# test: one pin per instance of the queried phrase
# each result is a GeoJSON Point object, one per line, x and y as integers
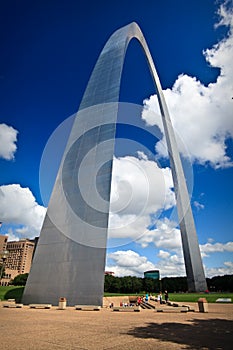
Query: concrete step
{"type": "Point", "coordinates": [87, 307]}
{"type": "Point", "coordinates": [126, 308]}
{"type": "Point", "coordinates": [40, 306]}
{"type": "Point", "coordinates": [12, 305]}
{"type": "Point", "coordinates": [173, 309]}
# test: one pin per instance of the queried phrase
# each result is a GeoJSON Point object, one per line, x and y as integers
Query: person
{"type": "Point", "coordinates": [166, 296]}
{"type": "Point", "coordinates": [147, 298]}
{"type": "Point", "coordinates": [160, 298]}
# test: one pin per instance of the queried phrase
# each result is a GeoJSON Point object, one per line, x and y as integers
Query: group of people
{"type": "Point", "coordinates": [159, 298]}
{"type": "Point", "coordinates": [145, 298]}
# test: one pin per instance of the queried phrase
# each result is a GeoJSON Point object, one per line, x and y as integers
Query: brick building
{"type": "Point", "coordinates": [19, 258]}
{"type": "Point", "coordinates": [3, 243]}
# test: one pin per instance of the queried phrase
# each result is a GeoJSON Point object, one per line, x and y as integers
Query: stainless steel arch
{"type": "Point", "coordinates": [70, 255]}
{"type": "Point", "coordinates": [113, 54]}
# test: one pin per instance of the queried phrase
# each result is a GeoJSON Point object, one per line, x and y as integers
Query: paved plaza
{"type": "Point", "coordinates": [37, 329]}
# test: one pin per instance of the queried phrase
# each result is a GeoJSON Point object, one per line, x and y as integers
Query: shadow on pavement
{"type": "Point", "coordinates": [199, 334]}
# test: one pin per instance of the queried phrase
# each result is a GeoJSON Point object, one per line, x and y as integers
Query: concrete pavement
{"type": "Point", "coordinates": [40, 329]}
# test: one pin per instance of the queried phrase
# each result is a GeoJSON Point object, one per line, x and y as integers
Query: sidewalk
{"type": "Point", "coordinates": [40, 329]}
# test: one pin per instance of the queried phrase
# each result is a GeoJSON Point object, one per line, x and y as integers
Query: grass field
{"type": "Point", "coordinates": [13, 292]}
{"type": "Point", "coordinates": [188, 297]}
{"type": "Point", "coordinates": [193, 297]}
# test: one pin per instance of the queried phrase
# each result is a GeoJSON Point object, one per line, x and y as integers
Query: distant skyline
{"type": "Point", "coordinates": [49, 49]}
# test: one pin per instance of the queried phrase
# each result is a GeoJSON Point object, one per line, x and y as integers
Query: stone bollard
{"type": "Point", "coordinates": [62, 304]}
{"type": "Point", "coordinates": [202, 305]}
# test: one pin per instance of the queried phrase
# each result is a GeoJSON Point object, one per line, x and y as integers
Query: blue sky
{"type": "Point", "coordinates": [48, 51]}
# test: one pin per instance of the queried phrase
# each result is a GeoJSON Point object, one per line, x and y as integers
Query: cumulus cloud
{"type": "Point", "coordinates": [19, 207]}
{"type": "Point", "coordinates": [165, 235]}
{"type": "Point", "coordinates": [11, 235]}
{"type": "Point", "coordinates": [170, 264]}
{"type": "Point", "coordinates": [226, 269]}
{"type": "Point", "coordinates": [126, 263]}
{"type": "Point", "coordinates": [139, 189]}
{"type": "Point", "coordinates": [8, 138]}
{"type": "Point", "coordinates": [138, 184]}
{"type": "Point", "coordinates": [209, 247]}
{"type": "Point", "coordinates": [163, 255]}
{"type": "Point", "coordinates": [202, 115]}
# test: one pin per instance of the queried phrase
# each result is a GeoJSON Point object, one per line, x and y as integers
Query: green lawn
{"type": "Point", "coordinates": [13, 292]}
{"type": "Point", "coordinates": [187, 297]}
{"type": "Point", "coordinates": [193, 297]}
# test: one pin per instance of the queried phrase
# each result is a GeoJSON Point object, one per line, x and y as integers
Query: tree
{"type": "Point", "coordinates": [175, 284]}
{"type": "Point", "coordinates": [221, 283]}
{"type": "Point", "coordinates": [132, 284]}
{"type": "Point", "coordinates": [150, 285]}
{"type": "Point", "coordinates": [20, 280]}
{"type": "Point", "coordinates": [137, 284]}
{"type": "Point", "coordinates": [108, 281]}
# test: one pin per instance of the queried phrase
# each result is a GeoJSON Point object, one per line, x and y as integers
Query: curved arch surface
{"type": "Point", "coordinates": [70, 256]}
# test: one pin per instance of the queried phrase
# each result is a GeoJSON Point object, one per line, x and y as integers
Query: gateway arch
{"type": "Point", "coordinates": [70, 257]}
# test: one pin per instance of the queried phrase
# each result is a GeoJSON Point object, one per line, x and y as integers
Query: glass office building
{"type": "Point", "coordinates": [152, 274]}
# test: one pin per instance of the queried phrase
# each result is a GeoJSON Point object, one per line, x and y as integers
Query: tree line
{"type": "Point", "coordinates": [132, 284]}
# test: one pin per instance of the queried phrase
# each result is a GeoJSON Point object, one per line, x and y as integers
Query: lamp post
{"type": "Point", "coordinates": [3, 256]}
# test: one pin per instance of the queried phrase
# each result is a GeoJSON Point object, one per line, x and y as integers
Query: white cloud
{"type": "Point", "coordinates": [166, 235]}
{"type": "Point", "coordinates": [229, 264]}
{"type": "Point", "coordinates": [202, 115]}
{"type": "Point", "coordinates": [139, 188]}
{"type": "Point", "coordinates": [209, 247]}
{"type": "Point", "coordinates": [140, 192]}
{"type": "Point", "coordinates": [226, 18]}
{"type": "Point", "coordinates": [126, 263]}
{"type": "Point", "coordinates": [198, 205]}
{"type": "Point", "coordinates": [8, 138]}
{"type": "Point", "coordinates": [19, 207]}
{"type": "Point", "coordinates": [164, 255]}
{"type": "Point", "coordinates": [139, 185]}
{"type": "Point", "coordinates": [171, 265]}
{"type": "Point", "coordinates": [171, 261]}
{"type": "Point", "coordinates": [227, 269]}
{"type": "Point", "coordinates": [11, 236]}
